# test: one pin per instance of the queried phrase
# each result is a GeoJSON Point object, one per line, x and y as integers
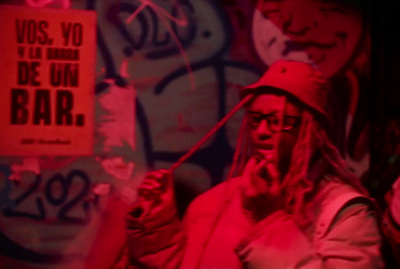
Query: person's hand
{"type": "Point", "coordinates": [261, 188]}
{"type": "Point", "coordinates": [156, 191]}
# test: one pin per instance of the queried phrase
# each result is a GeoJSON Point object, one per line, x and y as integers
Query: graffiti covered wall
{"type": "Point", "coordinates": [167, 71]}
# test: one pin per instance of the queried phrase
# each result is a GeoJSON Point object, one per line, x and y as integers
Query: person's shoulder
{"type": "Point", "coordinates": [331, 188]}
{"type": "Point", "coordinates": [335, 198]}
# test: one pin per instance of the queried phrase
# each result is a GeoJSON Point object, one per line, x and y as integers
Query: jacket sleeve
{"type": "Point", "coordinates": [352, 241]}
{"type": "Point", "coordinates": [155, 239]}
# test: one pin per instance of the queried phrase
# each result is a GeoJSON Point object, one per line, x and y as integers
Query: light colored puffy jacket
{"type": "Point", "coordinates": [216, 233]}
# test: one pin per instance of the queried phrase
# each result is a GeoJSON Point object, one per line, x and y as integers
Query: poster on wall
{"type": "Point", "coordinates": [47, 74]}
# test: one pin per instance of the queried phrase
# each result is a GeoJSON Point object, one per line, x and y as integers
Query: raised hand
{"type": "Point", "coordinates": [261, 188]}
{"type": "Point", "coordinates": [156, 191]}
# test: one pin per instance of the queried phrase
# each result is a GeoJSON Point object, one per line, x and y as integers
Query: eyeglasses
{"type": "Point", "coordinates": [274, 121]}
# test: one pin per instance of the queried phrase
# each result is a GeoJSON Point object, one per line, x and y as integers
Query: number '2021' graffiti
{"type": "Point", "coordinates": [56, 193]}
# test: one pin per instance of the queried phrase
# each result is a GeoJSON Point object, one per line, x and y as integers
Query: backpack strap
{"type": "Point", "coordinates": [333, 208]}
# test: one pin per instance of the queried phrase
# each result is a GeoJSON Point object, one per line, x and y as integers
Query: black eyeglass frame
{"type": "Point", "coordinates": [289, 122]}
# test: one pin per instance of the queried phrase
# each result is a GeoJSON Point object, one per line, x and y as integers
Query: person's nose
{"type": "Point", "coordinates": [263, 130]}
{"type": "Point", "coordinates": [298, 20]}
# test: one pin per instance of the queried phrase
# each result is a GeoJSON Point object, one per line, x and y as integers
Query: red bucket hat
{"type": "Point", "coordinates": [297, 79]}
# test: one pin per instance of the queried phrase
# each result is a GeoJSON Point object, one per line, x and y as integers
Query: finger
{"type": "Point", "coordinates": [249, 168]}
{"type": "Point", "coordinates": [251, 163]}
{"type": "Point", "coordinates": [165, 178]}
{"type": "Point", "coordinates": [260, 169]}
{"type": "Point", "coordinates": [155, 175]}
{"type": "Point", "coordinates": [273, 173]}
{"type": "Point", "coordinates": [149, 193]}
{"type": "Point", "coordinates": [160, 178]}
{"type": "Point", "coordinates": [151, 184]}
{"type": "Point", "coordinates": [148, 188]}
{"type": "Point", "coordinates": [260, 180]}
{"type": "Point", "coordinates": [165, 175]}
{"type": "Point", "coordinates": [247, 181]}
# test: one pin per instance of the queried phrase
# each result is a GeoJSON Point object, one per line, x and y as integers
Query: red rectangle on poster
{"type": "Point", "coordinates": [47, 72]}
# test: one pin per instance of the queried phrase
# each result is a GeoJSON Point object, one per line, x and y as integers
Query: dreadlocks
{"type": "Point", "coordinates": [304, 173]}
{"type": "Point", "coordinates": [310, 161]}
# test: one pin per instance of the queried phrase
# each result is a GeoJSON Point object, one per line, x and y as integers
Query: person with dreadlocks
{"type": "Point", "coordinates": [293, 203]}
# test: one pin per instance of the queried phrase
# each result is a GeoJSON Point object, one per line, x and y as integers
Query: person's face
{"type": "Point", "coordinates": [318, 31]}
{"type": "Point", "coordinates": [271, 138]}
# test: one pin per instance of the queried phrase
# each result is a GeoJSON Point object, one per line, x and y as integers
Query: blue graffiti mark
{"type": "Point", "coordinates": [59, 198]}
{"type": "Point", "coordinates": [155, 39]}
{"type": "Point", "coordinates": [184, 35]}
{"type": "Point", "coordinates": [102, 46]}
{"type": "Point", "coordinates": [107, 57]}
{"type": "Point", "coordinates": [144, 127]}
{"type": "Point", "coordinates": [189, 32]}
{"type": "Point", "coordinates": [111, 73]}
{"type": "Point", "coordinates": [65, 209]}
{"type": "Point", "coordinates": [13, 249]}
{"type": "Point", "coordinates": [5, 192]}
{"type": "Point", "coordinates": [40, 215]}
{"type": "Point", "coordinates": [218, 154]}
{"type": "Point", "coordinates": [113, 15]}
{"type": "Point", "coordinates": [219, 148]}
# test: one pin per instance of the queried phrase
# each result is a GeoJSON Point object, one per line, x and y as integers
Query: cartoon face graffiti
{"type": "Point", "coordinates": [317, 31]}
